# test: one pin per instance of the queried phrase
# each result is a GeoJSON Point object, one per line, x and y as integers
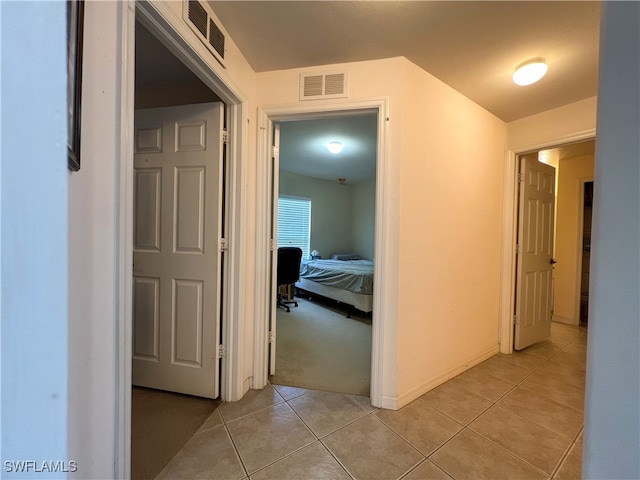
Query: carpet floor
{"type": "Point", "coordinates": [161, 424]}
{"type": "Point", "coordinates": [319, 348]}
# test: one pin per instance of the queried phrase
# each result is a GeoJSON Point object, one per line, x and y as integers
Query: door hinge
{"type": "Point", "coordinates": [275, 151]}
{"type": "Point", "coordinates": [516, 320]}
{"type": "Point", "coordinates": [221, 351]}
{"type": "Point", "coordinates": [521, 177]}
{"type": "Point", "coordinates": [518, 249]}
{"type": "Point", "coordinates": [271, 337]}
{"type": "Point", "coordinates": [271, 244]}
{"type": "Point", "coordinates": [223, 245]}
{"type": "Point", "coordinates": [224, 135]}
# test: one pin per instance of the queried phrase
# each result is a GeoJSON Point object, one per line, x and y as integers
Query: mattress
{"type": "Point", "coordinates": [358, 300]}
{"type": "Point", "coordinates": [352, 275]}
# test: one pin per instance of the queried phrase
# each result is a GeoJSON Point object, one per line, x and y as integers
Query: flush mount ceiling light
{"type": "Point", "coordinates": [530, 72]}
{"type": "Point", "coordinates": [334, 147]}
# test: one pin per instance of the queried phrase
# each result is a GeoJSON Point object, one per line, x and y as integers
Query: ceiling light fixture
{"type": "Point", "coordinates": [335, 147]}
{"type": "Point", "coordinates": [530, 72]}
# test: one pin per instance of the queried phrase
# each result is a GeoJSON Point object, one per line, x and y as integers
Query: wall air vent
{"type": "Point", "coordinates": [200, 18]}
{"type": "Point", "coordinates": [324, 85]}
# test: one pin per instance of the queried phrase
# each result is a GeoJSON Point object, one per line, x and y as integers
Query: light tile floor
{"type": "Point", "coordinates": [514, 416]}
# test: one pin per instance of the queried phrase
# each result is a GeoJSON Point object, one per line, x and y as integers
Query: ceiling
{"type": "Point", "coordinates": [471, 46]}
{"type": "Point", "coordinates": [303, 148]}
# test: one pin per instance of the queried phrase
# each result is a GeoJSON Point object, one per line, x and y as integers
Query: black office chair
{"type": "Point", "coordinates": [289, 259]}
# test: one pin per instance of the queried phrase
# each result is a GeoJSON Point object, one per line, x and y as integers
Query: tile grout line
{"type": "Point", "coordinates": [494, 403]}
{"type": "Point", "coordinates": [572, 445]}
{"type": "Point", "coordinates": [235, 447]}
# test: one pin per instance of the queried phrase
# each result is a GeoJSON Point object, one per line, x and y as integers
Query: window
{"type": "Point", "coordinates": [294, 223]}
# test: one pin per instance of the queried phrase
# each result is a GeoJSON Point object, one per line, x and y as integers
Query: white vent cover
{"type": "Point", "coordinates": [198, 15]}
{"type": "Point", "coordinates": [323, 85]}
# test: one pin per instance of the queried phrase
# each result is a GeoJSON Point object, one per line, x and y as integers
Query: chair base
{"type": "Point", "coordinates": [285, 303]}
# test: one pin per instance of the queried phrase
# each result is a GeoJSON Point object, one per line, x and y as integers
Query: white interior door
{"type": "Point", "coordinates": [177, 259]}
{"type": "Point", "coordinates": [534, 280]}
{"type": "Point", "coordinates": [275, 170]}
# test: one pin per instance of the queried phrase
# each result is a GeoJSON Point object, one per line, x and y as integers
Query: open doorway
{"type": "Point", "coordinates": [573, 167]}
{"type": "Point", "coordinates": [268, 119]}
{"type": "Point", "coordinates": [177, 308]}
{"type": "Point", "coordinates": [587, 214]}
{"type": "Point", "coordinates": [323, 339]}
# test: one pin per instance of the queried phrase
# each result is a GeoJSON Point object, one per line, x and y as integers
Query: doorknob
{"type": "Point", "coordinates": [553, 261]}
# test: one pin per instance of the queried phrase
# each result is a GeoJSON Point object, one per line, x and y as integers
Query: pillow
{"type": "Point", "coordinates": [345, 256]}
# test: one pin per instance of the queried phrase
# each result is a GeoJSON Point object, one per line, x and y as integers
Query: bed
{"type": "Point", "coordinates": [345, 278]}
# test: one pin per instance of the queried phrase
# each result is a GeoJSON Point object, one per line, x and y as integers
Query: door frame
{"type": "Point", "coordinates": [510, 229]}
{"type": "Point", "coordinates": [579, 255]}
{"type": "Point", "coordinates": [163, 22]}
{"type": "Point", "coordinates": [266, 117]}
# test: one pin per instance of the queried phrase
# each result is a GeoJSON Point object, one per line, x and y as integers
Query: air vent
{"type": "Point", "coordinates": [200, 18]}
{"type": "Point", "coordinates": [327, 85]}
{"type": "Point", "coordinates": [216, 38]}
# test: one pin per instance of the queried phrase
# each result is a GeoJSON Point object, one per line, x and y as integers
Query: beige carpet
{"type": "Point", "coordinates": [317, 347]}
{"type": "Point", "coordinates": [161, 424]}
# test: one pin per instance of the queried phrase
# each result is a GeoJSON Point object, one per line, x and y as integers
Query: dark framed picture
{"type": "Point", "coordinates": [75, 21]}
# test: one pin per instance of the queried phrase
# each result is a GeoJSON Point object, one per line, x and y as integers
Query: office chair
{"type": "Point", "coordinates": [289, 259]}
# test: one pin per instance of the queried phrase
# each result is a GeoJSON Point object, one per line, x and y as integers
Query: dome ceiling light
{"type": "Point", "coordinates": [530, 72]}
{"type": "Point", "coordinates": [335, 147]}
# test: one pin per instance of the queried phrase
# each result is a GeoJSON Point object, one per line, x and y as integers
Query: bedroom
{"type": "Point", "coordinates": [340, 191]}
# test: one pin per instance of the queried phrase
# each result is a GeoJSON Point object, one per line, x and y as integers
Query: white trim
{"type": "Point", "coordinates": [384, 298]}
{"type": "Point", "coordinates": [179, 39]}
{"type": "Point", "coordinates": [507, 289]}
{"type": "Point", "coordinates": [263, 251]}
{"type": "Point", "coordinates": [124, 238]}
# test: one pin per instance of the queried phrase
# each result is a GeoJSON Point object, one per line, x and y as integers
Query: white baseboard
{"type": "Point", "coordinates": [396, 403]}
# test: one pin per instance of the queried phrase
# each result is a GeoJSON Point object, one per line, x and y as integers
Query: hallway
{"type": "Point", "coordinates": [513, 416]}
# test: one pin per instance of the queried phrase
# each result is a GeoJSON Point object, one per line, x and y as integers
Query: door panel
{"type": "Point", "coordinates": [146, 311]}
{"type": "Point", "coordinates": [189, 210]}
{"type": "Point", "coordinates": [147, 210]}
{"type": "Point", "coordinates": [534, 285]}
{"type": "Point", "coordinates": [177, 260]}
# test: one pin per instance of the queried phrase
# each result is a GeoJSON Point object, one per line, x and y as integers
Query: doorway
{"type": "Point", "coordinates": [587, 214]}
{"type": "Point", "coordinates": [323, 341]}
{"type": "Point", "coordinates": [574, 164]}
{"type": "Point", "coordinates": [179, 169]}
{"type": "Point", "coordinates": [265, 259]}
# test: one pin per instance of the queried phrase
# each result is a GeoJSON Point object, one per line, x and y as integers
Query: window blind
{"type": "Point", "coordinates": [294, 223]}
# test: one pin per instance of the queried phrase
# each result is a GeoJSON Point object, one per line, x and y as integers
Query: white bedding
{"type": "Point", "coordinates": [352, 275]}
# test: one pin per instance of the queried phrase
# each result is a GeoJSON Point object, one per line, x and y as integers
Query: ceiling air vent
{"type": "Point", "coordinates": [200, 18]}
{"type": "Point", "coordinates": [326, 85]}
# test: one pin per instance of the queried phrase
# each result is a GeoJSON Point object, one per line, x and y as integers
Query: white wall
{"type": "Point", "coordinates": [451, 170]}
{"type": "Point", "coordinates": [364, 218]}
{"type": "Point", "coordinates": [92, 251]}
{"type": "Point", "coordinates": [33, 170]}
{"type": "Point", "coordinates": [342, 216]}
{"type": "Point", "coordinates": [549, 128]}
{"type": "Point", "coordinates": [331, 211]}
{"type": "Point", "coordinates": [612, 403]}
{"type": "Point", "coordinates": [447, 153]}
{"type": "Point", "coordinates": [568, 251]}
